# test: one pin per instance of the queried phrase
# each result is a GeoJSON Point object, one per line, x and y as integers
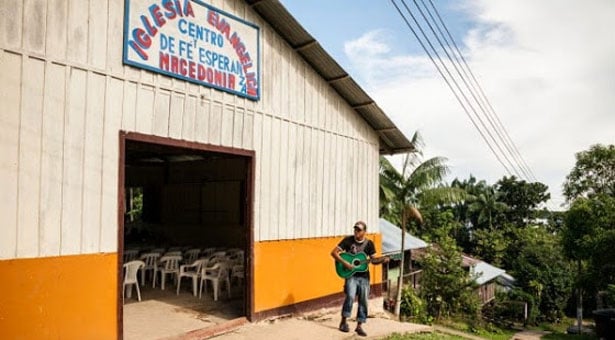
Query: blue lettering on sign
{"type": "Point", "coordinates": [167, 43]}
{"type": "Point", "coordinates": [201, 33]}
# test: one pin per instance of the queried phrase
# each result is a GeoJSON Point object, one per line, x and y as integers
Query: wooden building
{"type": "Point", "coordinates": [256, 139]}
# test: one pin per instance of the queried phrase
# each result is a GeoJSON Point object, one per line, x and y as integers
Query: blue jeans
{"type": "Point", "coordinates": [356, 286]}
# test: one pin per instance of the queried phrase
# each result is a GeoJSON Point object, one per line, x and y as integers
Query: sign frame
{"type": "Point", "coordinates": [139, 38]}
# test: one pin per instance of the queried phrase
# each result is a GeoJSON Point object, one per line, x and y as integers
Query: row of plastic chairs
{"type": "Point", "coordinates": [189, 254]}
{"type": "Point", "coordinates": [217, 268]}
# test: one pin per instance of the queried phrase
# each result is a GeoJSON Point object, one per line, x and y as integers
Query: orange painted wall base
{"type": "Point", "coordinates": [67, 297]}
{"type": "Point", "coordinates": [291, 271]}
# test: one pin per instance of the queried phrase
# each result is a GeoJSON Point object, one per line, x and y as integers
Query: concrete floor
{"type": "Point", "coordinates": [163, 314]}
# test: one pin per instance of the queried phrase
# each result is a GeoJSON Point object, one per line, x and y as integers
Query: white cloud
{"type": "Point", "coordinates": [548, 68]}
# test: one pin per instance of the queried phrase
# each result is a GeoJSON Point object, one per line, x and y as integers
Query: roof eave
{"type": "Point", "coordinates": [391, 139]}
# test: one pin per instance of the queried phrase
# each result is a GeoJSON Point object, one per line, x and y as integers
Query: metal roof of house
{"type": "Point", "coordinates": [486, 272]}
{"type": "Point", "coordinates": [391, 239]}
{"type": "Point", "coordinates": [392, 140]}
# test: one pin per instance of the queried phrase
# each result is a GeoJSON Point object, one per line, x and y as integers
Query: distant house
{"type": "Point", "coordinates": [487, 276]}
{"type": "Point", "coordinates": [391, 246]}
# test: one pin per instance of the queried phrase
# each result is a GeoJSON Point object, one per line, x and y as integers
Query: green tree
{"type": "Point", "coordinates": [521, 198]}
{"type": "Point", "coordinates": [540, 268]}
{"type": "Point", "coordinates": [418, 181]}
{"type": "Point", "coordinates": [402, 191]}
{"type": "Point", "coordinates": [487, 206]}
{"type": "Point", "coordinates": [589, 236]}
{"type": "Point", "coordinates": [593, 173]}
{"type": "Point", "coordinates": [446, 286]}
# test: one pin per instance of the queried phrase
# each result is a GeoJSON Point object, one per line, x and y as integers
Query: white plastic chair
{"type": "Point", "coordinates": [130, 277]}
{"type": "Point", "coordinates": [151, 263]}
{"type": "Point", "coordinates": [235, 257]}
{"type": "Point", "coordinates": [193, 271]}
{"type": "Point", "coordinates": [168, 265]}
{"type": "Point", "coordinates": [207, 251]}
{"type": "Point", "coordinates": [216, 274]}
{"type": "Point", "coordinates": [237, 272]}
{"type": "Point", "coordinates": [191, 255]}
{"type": "Point", "coordinates": [130, 255]}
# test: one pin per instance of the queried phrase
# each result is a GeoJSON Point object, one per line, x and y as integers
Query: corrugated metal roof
{"type": "Point", "coordinates": [486, 272]}
{"type": "Point", "coordinates": [392, 140]}
{"type": "Point", "coordinates": [391, 239]}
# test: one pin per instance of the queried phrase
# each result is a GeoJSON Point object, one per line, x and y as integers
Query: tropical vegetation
{"type": "Point", "coordinates": [553, 255]}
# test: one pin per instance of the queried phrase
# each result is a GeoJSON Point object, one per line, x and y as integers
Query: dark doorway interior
{"type": "Point", "coordinates": [180, 198]}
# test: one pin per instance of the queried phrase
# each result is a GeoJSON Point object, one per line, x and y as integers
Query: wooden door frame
{"type": "Point", "coordinates": [248, 206]}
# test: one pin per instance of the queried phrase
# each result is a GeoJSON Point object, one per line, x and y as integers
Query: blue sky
{"type": "Point", "coordinates": [548, 68]}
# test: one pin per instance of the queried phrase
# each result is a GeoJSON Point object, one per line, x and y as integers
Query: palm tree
{"type": "Point", "coordinates": [402, 192]}
{"type": "Point", "coordinates": [487, 206]}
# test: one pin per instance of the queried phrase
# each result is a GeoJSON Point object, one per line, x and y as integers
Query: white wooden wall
{"type": "Point", "coordinates": [65, 95]}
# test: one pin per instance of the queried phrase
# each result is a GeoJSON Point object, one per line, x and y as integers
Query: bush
{"type": "Point", "coordinates": [414, 307]}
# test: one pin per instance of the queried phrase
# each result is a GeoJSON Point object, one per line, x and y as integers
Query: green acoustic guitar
{"type": "Point", "coordinates": [359, 261]}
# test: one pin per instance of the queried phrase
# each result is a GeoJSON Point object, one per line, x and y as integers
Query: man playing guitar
{"type": "Point", "coordinates": [358, 283]}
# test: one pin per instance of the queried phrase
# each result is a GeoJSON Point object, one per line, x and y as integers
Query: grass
{"type": "Point", "coordinates": [423, 336]}
{"type": "Point", "coordinates": [487, 331]}
{"type": "Point", "coordinates": [559, 330]}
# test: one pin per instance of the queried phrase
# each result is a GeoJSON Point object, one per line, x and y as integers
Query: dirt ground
{"type": "Point", "coordinates": [321, 324]}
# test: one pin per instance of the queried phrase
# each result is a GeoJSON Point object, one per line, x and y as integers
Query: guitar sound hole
{"type": "Point", "coordinates": [356, 263]}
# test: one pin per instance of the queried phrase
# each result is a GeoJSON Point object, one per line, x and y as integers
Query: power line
{"type": "Point", "coordinates": [478, 95]}
{"type": "Point", "coordinates": [468, 86]}
{"type": "Point", "coordinates": [482, 93]}
{"type": "Point", "coordinates": [457, 96]}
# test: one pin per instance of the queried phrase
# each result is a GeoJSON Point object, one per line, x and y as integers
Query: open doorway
{"type": "Point", "coordinates": [185, 214]}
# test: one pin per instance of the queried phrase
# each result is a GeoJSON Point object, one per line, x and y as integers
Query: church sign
{"type": "Point", "coordinates": [193, 41]}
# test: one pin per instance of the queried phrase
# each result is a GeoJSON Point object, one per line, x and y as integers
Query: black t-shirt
{"type": "Point", "coordinates": [350, 245]}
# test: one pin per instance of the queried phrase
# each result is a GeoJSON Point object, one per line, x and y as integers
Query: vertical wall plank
{"type": "Point", "coordinates": [129, 106]}
{"type": "Point", "coordinates": [284, 181]}
{"type": "Point", "coordinates": [202, 118]}
{"type": "Point", "coordinates": [291, 195]}
{"type": "Point", "coordinates": [10, 97]}
{"type": "Point", "coordinates": [115, 34]}
{"type": "Point", "coordinates": [72, 176]}
{"type": "Point", "coordinates": [337, 177]}
{"type": "Point", "coordinates": [247, 140]}
{"type": "Point", "coordinates": [114, 99]}
{"type": "Point", "coordinates": [215, 124]}
{"type": "Point", "coordinates": [34, 35]}
{"type": "Point", "coordinates": [97, 34]}
{"type": "Point", "coordinates": [313, 177]}
{"type": "Point", "coordinates": [145, 109]}
{"type": "Point", "coordinates": [238, 127]}
{"type": "Point", "coordinates": [274, 184]}
{"type": "Point", "coordinates": [11, 28]}
{"type": "Point", "coordinates": [320, 184]}
{"type": "Point", "coordinates": [283, 94]}
{"type": "Point", "coordinates": [305, 183]}
{"type": "Point", "coordinates": [258, 168]}
{"type": "Point", "coordinates": [265, 185]}
{"type": "Point", "coordinates": [326, 201]}
{"type": "Point", "coordinates": [92, 163]}
{"type": "Point", "coordinates": [297, 164]}
{"type": "Point", "coordinates": [189, 118]}
{"type": "Point", "coordinates": [57, 15]}
{"type": "Point", "coordinates": [78, 11]}
{"type": "Point", "coordinates": [51, 160]}
{"type": "Point", "coordinates": [162, 105]}
{"type": "Point", "coordinates": [176, 115]}
{"type": "Point", "coordinates": [30, 131]}
{"type": "Point", "coordinates": [226, 129]}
